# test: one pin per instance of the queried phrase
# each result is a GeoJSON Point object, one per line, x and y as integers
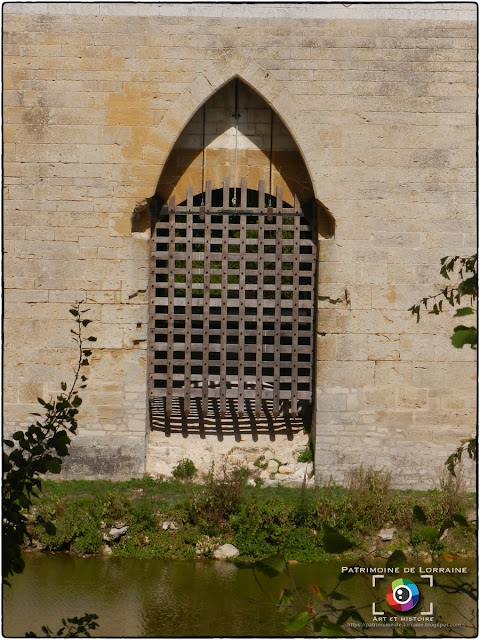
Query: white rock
{"type": "Point", "coordinates": [225, 552]}
{"type": "Point", "coordinates": [116, 533]}
{"type": "Point", "coordinates": [268, 455]}
{"type": "Point", "coordinates": [107, 550]}
{"type": "Point", "coordinates": [386, 534]}
{"type": "Point", "coordinates": [272, 466]}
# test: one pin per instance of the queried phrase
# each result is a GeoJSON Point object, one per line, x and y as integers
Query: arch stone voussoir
{"type": "Point", "coordinates": [216, 74]}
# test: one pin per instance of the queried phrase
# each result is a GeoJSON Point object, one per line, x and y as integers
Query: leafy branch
{"type": "Point", "coordinates": [466, 272]}
{"type": "Point", "coordinates": [39, 450]}
{"type": "Point", "coordinates": [72, 628]}
{"type": "Point", "coordinates": [467, 287]}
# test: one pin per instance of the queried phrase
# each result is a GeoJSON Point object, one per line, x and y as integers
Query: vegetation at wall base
{"type": "Point", "coordinates": [259, 521]}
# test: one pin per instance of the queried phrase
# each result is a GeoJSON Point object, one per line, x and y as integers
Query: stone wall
{"type": "Point", "coordinates": [380, 100]}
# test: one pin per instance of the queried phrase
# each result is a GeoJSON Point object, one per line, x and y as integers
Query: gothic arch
{"type": "Point", "coordinates": [220, 72]}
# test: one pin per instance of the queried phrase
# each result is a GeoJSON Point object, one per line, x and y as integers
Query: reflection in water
{"type": "Point", "coordinates": [148, 598]}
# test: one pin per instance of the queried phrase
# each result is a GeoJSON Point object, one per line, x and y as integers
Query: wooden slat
{"type": "Point", "coordinates": [279, 198]}
{"type": "Point", "coordinates": [171, 203]}
{"type": "Point", "coordinates": [208, 195]}
{"type": "Point", "coordinates": [278, 305]}
{"type": "Point", "coordinates": [206, 313]}
{"type": "Point", "coordinates": [223, 320]}
{"type": "Point", "coordinates": [151, 316]}
{"type": "Point", "coordinates": [243, 193]}
{"type": "Point", "coordinates": [261, 195]}
{"type": "Point", "coordinates": [171, 316]}
{"type": "Point", "coordinates": [295, 316]}
{"type": "Point", "coordinates": [260, 306]}
{"type": "Point", "coordinates": [241, 315]}
{"type": "Point", "coordinates": [190, 198]}
{"type": "Point", "coordinates": [226, 192]}
{"type": "Point", "coordinates": [297, 206]}
{"type": "Point", "coordinates": [215, 392]}
{"type": "Point", "coordinates": [188, 313]}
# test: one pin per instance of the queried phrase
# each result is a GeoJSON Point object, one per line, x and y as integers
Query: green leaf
{"type": "Point", "coordinates": [92, 339]}
{"type": "Point", "coordinates": [431, 535]}
{"type": "Point", "coordinates": [464, 335]}
{"type": "Point", "coordinates": [460, 519]}
{"type": "Point", "coordinates": [333, 630]}
{"type": "Point", "coordinates": [87, 352]}
{"type": "Point", "coordinates": [319, 592]}
{"type": "Point", "coordinates": [54, 465]}
{"type": "Point", "coordinates": [464, 311]}
{"type": "Point", "coordinates": [50, 528]}
{"type": "Point", "coordinates": [74, 312]}
{"type": "Point", "coordinates": [77, 401]}
{"type": "Point", "coordinates": [9, 443]}
{"type": "Point", "coordinates": [18, 435]}
{"type": "Point", "coordinates": [334, 542]}
{"type": "Point", "coordinates": [419, 514]}
{"type": "Point", "coordinates": [397, 559]}
{"type": "Point", "coordinates": [298, 621]}
{"type": "Point", "coordinates": [285, 597]}
{"type": "Point", "coordinates": [64, 386]}
{"type": "Point", "coordinates": [272, 566]}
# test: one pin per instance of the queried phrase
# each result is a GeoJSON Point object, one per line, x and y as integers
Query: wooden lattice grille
{"type": "Point", "coordinates": [232, 304]}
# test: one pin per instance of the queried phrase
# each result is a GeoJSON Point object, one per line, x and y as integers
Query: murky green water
{"type": "Point", "coordinates": [141, 598]}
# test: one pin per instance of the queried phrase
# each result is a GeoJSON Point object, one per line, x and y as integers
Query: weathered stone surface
{"type": "Point", "coordinates": [225, 552]}
{"type": "Point", "coordinates": [383, 113]}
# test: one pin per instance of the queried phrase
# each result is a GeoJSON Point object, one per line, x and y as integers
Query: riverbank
{"type": "Point", "coordinates": [173, 519]}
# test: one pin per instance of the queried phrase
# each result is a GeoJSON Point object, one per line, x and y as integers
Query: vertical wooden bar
{"type": "Point", "coordinates": [226, 192]}
{"type": "Point", "coordinates": [261, 195]}
{"type": "Point", "coordinates": [297, 205]}
{"type": "Point", "coordinates": [208, 195]}
{"type": "Point", "coordinates": [206, 312]}
{"type": "Point", "coordinates": [295, 314]}
{"type": "Point", "coordinates": [278, 312]}
{"type": "Point", "coordinates": [171, 311]}
{"type": "Point", "coordinates": [151, 315]}
{"type": "Point", "coordinates": [190, 198]}
{"type": "Point", "coordinates": [241, 314]}
{"type": "Point", "coordinates": [279, 198]}
{"type": "Point", "coordinates": [259, 351]}
{"type": "Point", "coordinates": [171, 203]}
{"type": "Point", "coordinates": [188, 314]}
{"type": "Point", "coordinates": [223, 318]}
{"type": "Point", "coordinates": [243, 193]}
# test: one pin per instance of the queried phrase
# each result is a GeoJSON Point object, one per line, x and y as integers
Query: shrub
{"type": "Point", "coordinates": [220, 498]}
{"type": "Point", "coordinates": [185, 470]}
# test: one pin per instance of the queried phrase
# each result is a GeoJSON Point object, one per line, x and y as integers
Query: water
{"type": "Point", "coordinates": [148, 598]}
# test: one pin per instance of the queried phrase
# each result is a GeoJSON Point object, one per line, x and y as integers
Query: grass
{"type": "Point", "coordinates": [258, 521]}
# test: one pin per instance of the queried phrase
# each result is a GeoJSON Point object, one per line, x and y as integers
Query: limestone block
{"type": "Point", "coordinates": [272, 466]}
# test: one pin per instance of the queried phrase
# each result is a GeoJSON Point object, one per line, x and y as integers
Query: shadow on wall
{"type": "Point", "coordinates": [232, 425]}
